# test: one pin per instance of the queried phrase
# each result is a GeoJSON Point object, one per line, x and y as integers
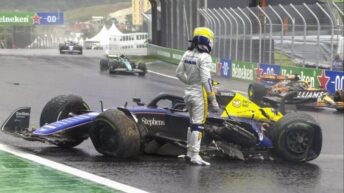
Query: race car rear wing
{"type": "Point", "coordinates": [18, 121]}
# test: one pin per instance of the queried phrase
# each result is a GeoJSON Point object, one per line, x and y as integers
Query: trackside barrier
{"type": "Point", "coordinates": [240, 70]}
{"type": "Point", "coordinates": [165, 54]}
{"type": "Point", "coordinates": [327, 79]}
{"type": "Point", "coordinates": [169, 55]}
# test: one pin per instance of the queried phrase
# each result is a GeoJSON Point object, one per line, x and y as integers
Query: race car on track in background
{"type": "Point", "coordinates": [242, 130]}
{"type": "Point", "coordinates": [121, 64]}
{"type": "Point", "coordinates": [271, 89]}
{"type": "Point", "coordinates": [70, 47]}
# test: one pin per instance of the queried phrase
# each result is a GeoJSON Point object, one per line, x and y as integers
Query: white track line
{"type": "Point", "coordinates": [331, 156]}
{"type": "Point", "coordinates": [164, 75]}
{"type": "Point", "coordinates": [173, 77]}
{"type": "Point", "coordinates": [72, 171]}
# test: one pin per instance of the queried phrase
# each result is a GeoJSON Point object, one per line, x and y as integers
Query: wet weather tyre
{"type": "Point", "coordinates": [297, 137]}
{"type": "Point", "coordinates": [256, 92]}
{"type": "Point", "coordinates": [339, 97]}
{"type": "Point", "coordinates": [62, 107]}
{"type": "Point", "coordinates": [143, 68]}
{"type": "Point", "coordinates": [103, 64]}
{"type": "Point", "coordinates": [116, 135]}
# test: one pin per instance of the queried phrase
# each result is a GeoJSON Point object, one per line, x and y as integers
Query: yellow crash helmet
{"type": "Point", "coordinates": [203, 37]}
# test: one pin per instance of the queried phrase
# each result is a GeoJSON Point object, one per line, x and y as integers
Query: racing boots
{"type": "Point", "coordinates": [195, 145]}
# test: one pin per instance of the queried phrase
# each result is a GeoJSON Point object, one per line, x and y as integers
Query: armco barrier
{"type": "Point", "coordinates": [165, 54]}
{"type": "Point", "coordinates": [329, 80]}
{"type": "Point", "coordinates": [224, 68]}
{"type": "Point", "coordinates": [243, 70]}
{"type": "Point", "coordinates": [332, 80]}
{"type": "Point", "coordinates": [169, 55]}
{"type": "Point", "coordinates": [309, 74]}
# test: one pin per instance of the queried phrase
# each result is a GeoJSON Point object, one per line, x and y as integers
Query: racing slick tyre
{"type": "Point", "coordinates": [339, 97]}
{"type": "Point", "coordinates": [116, 135]}
{"type": "Point", "coordinates": [143, 67]}
{"type": "Point", "coordinates": [256, 92]}
{"type": "Point", "coordinates": [62, 107]}
{"type": "Point", "coordinates": [297, 137]}
{"type": "Point", "coordinates": [103, 65]}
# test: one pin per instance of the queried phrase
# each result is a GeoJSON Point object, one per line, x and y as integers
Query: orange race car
{"type": "Point", "coordinates": [272, 89]}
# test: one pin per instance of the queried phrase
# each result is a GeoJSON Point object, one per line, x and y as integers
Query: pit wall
{"type": "Point", "coordinates": [246, 71]}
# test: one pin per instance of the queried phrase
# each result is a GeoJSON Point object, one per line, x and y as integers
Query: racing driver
{"type": "Point", "coordinates": [194, 71]}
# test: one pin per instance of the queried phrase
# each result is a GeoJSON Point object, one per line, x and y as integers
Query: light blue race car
{"type": "Point", "coordinates": [121, 64]}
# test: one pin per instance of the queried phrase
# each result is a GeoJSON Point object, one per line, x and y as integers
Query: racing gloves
{"type": "Point", "coordinates": [214, 106]}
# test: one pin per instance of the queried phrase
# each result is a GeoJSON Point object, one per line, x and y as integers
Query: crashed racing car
{"type": "Point", "coordinates": [271, 89]}
{"type": "Point", "coordinates": [70, 48]}
{"type": "Point", "coordinates": [241, 131]}
{"type": "Point", "coordinates": [121, 64]}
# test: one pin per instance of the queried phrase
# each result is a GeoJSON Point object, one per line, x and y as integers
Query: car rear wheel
{"type": "Point", "coordinates": [297, 137]}
{"type": "Point", "coordinates": [114, 134]}
{"type": "Point", "coordinates": [143, 68]}
{"type": "Point", "coordinates": [339, 97]}
{"type": "Point", "coordinates": [103, 65]}
{"type": "Point", "coordinates": [62, 107]}
{"type": "Point", "coordinates": [256, 92]}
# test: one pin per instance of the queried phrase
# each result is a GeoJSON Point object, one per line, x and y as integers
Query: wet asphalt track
{"type": "Point", "coordinates": [33, 80]}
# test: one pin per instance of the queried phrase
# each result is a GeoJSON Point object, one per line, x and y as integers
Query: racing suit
{"type": "Point", "coordinates": [194, 71]}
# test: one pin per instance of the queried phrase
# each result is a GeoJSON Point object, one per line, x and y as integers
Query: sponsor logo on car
{"type": "Point", "coordinates": [236, 103]}
{"type": "Point", "coordinates": [152, 122]}
{"type": "Point", "coordinates": [22, 114]}
{"type": "Point", "coordinates": [310, 94]}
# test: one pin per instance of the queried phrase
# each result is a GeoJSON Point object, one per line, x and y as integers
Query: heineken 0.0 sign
{"type": "Point", "coordinates": [19, 19]}
{"type": "Point", "coordinates": [31, 18]}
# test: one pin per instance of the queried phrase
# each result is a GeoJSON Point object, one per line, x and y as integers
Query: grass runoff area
{"type": "Point", "coordinates": [143, 59]}
{"type": "Point", "coordinates": [19, 175]}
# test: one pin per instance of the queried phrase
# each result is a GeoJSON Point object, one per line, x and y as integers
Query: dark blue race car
{"type": "Point", "coordinates": [242, 131]}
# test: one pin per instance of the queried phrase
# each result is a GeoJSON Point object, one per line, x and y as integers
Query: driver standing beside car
{"type": "Point", "coordinates": [194, 71]}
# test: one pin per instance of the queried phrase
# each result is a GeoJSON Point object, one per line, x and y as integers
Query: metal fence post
{"type": "Point", "coordinates": [332, 31]}
{"type": "Point", "coordinates": [206, 11]}
{"type": "Point", "coordinates": [171, 29]}
{"type": "Point", "coordinates": [231, 32]}
{"type": "Point", "coordinates": [304, 30]}
{"type": "Point", "coordinates": [225, 32]}
{"type": "Point", "coordinates": [178, 23]}
{"type": "Point", "coordinates": [205, 15]}
{"type": "Point", "coordinates": [293, 28]}
{"type": "Point", "coordinates": [207, 22]}
{"type": "Point", "coordinates": [318, 25]}
{"type": "Point", "coordinates": [280, 19]}
{"type": "Point", "coordinates": [251, 30]}
{"type": "Point", "coordinates": [339, 10]}
{"type": "Point", "coordinates": [237, 33]}
{"type": "Point", "coordinates": [270, 39]}
{"type": "Point", "coordinates": [218, 32]}
{"type": "Point", "coordinates": [260, 34]}
{"type": "Point", "coordinates": [244, 33]}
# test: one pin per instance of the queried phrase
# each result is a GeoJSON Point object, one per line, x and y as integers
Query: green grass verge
{"type": "Point", "coordinates": [143, 59]}
{"type": "Point", "coordinates": [86, 13]}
